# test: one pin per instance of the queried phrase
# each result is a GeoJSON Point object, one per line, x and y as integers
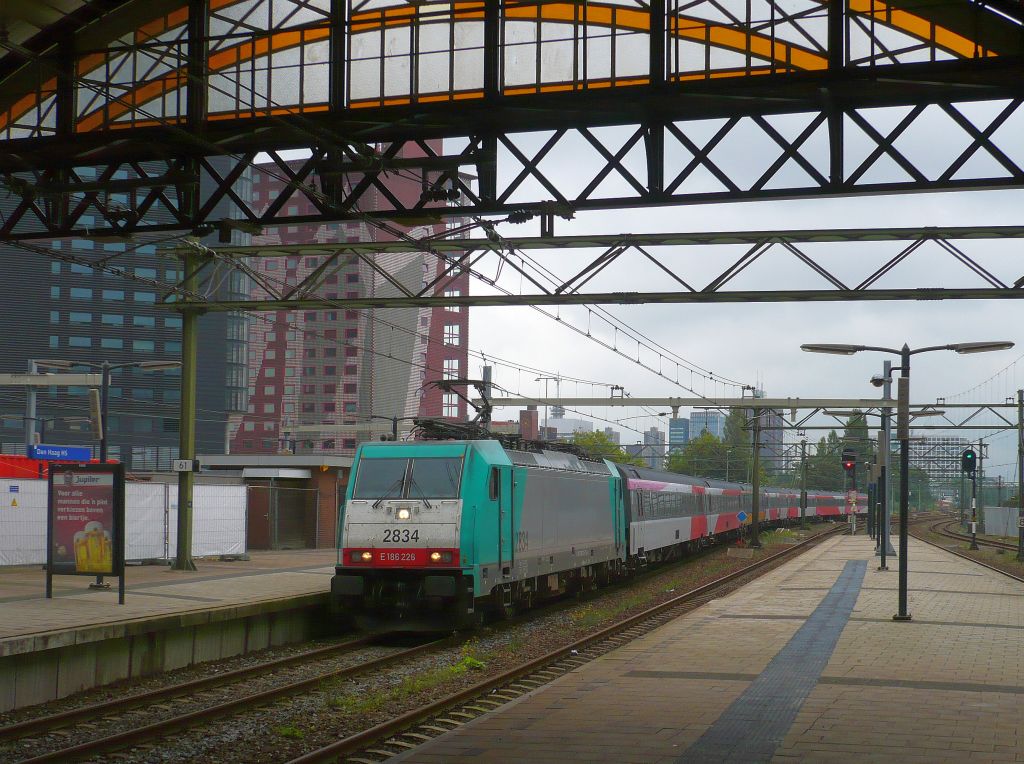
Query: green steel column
{"type": "Point", "coordinates": [1020, 476]}
{"type": "Point", "coordinates": [755, 488]}
{"type": "Point", "coordinates": [187, 429]}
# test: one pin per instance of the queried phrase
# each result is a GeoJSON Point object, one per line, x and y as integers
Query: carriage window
{"type": "Point", "coordinates": [435, 478]}
{"type": "Point", "coordinates": [378, 478]}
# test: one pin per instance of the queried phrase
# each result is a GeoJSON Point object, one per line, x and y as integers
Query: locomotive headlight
{"type": "Point", "coordinates": [435, 557]}
{"type": "Point", "coordinates": [366, 556]}
{"type": "Point", "coordinates": [404, 514]}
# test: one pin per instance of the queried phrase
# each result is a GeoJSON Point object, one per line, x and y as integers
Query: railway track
{"type": "Point", "coordinates": [205, 698]}
{"type": "Point", "coordinates": [941, 528]}
{"type": "Point", "coordinates": [411, 729]}
{"type": "Point", "coordinates": [945, 528]}
{"type": "Point", "coordinates": [140, 720]}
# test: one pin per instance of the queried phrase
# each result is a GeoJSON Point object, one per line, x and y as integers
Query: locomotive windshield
{"type": "Point", "coordinates": [435, 478]}
{"type": "Point", "coordinates": [378, 478]}
{"type": "Point", "coordinates": [420, 478]}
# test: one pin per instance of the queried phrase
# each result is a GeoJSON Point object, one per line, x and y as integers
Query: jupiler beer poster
{"type": "Point", "coordinates": [83, 522]}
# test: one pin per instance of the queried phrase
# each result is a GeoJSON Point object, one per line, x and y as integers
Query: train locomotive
{"type": "Point", "coordinates": [434, 534]}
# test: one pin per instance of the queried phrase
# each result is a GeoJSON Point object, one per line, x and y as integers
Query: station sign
{"type": "Point", "coordinates": [62, 453]}
{"type": "Point", "coordinates": [85, 522]}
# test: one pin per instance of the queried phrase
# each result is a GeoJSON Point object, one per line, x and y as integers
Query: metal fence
{"type": "Point", "coordinates": [151, 521]}
{"type": "Point", "coordinates": [282, 517]}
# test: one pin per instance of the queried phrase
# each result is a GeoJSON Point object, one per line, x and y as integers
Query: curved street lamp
{"type": "Point", "coordinates": [903, 425]}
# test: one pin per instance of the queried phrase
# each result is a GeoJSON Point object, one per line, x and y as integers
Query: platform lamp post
{"type": "Point", "coordinates": [803, 480]}
{"type": "Point", "coordinates": [106, 369]}
{"type": "Point", "coordinates": [903, 430]}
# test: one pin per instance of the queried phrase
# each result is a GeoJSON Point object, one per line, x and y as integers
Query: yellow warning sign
{"type": "Point", "coordinates": [14, 503]}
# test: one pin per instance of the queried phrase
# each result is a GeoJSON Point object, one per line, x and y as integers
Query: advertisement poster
{"type": "Point", "coordinates": [83, 521]}
{"type": "Point", "coordinates": [86, 513]}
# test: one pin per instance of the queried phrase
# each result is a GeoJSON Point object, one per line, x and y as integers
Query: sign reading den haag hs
{"type": "Point", "coordinates": [86, 521]}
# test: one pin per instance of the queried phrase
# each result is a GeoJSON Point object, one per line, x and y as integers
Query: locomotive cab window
{"type": "Point", "coordinates": [420, 478]}
{"type": "Point", "coordinates": [377, 478]}
{"type": "Point", "coordinates": [435, 478]}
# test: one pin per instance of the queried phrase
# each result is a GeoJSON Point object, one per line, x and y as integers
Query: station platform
{"type": "Point", "coordinates": [804, 664]}
{"type": "Point", "coordinates": [82, 638]}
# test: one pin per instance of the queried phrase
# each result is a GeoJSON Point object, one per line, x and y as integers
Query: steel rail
{"type": "Point", "coordinates": [934, 528]}
{"type": "Point", "coordinates": [362, 739]}
{"type": "Point", "coordinates": [117, 705]}
{"type": "Point", "coordinates": [157, 729]}
{"type": "Point", "coordinates": [968, 557]}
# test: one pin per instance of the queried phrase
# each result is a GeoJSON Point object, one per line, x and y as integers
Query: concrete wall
{"type": "Point", "coordinates": [1000, 521]}
{"type": "Point", "coordinates": [41, 668]}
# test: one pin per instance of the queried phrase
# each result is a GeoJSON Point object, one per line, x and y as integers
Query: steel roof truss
{"type": "Point", "coordinates": [613, 162]}
{"type": "Point", "coordinates": [372, 265]}
{"type": "Point", "coordinates": [981, 139]}
{"type": "Point", "coordinates": [662, 266]}
{"type": "Point", "coordinates": [597, 265]}
{"type": "Point", "coordinates": [898, 258]}
{"type": "Point", "coordinates": [790, 150]}
{"type": "Point", "coordinates": [750, 256]}
{"type": "Point", "coordinates": [701, 156]}
{"type": "Point", "coordinates": [971, 264]}
{"type": "Point", "coordinates": [530, 166]}
{"type": "Point", "coordinates": [508, 258]}
{"type": "Point", "coordinates": [307, 287]}
{"type": "Point", "coordinates": [814, 266]}
{"type": "Point", "coordinates": [885, 145]}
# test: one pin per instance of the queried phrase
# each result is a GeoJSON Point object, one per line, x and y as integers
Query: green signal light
{"type": "Point", "coordinates": [969, 460]}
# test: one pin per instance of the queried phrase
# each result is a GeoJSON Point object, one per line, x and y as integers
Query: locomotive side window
{"type": "Point", "coordinates": [495, 484]}
{"type": "Point", "coordinates": [379, 478]}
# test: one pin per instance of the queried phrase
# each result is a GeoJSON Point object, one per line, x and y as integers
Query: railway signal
{"type": "Point", "coordinates": [849, 460]}
{"type": "Point", "coordinates": [969, 461]}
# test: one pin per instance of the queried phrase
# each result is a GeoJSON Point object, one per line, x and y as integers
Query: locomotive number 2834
{"type": "Point", "coordinates": [400, 535]}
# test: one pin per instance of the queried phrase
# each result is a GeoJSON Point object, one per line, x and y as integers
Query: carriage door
{"type": "Point", "coordinates": [638, 524]}
{"type": "Point", "coordinates": [502, 490]}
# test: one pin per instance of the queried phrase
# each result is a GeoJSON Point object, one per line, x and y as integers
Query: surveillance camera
{"type": "Point", "coordinates": [878, 380]}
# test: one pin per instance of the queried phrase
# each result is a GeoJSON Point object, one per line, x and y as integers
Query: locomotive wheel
{"type": "Point", "coordinates": [503, 601]}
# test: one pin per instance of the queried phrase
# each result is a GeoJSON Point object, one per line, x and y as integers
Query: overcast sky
{"type": "Point", "coordinates": [760, 343]}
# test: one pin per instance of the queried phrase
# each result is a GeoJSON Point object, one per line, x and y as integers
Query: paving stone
{"type": "Point", "coordinates": [946, 687]}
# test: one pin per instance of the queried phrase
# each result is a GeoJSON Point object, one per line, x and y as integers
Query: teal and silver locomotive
{"type": "Point", "coordinates": [434, 533]}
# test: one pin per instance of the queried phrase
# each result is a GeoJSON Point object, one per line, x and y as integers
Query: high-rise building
{"type": "Point", "coordinates": [678, 433]}
{"type": "Point", "coordinates": [87, 313]}
{"type": "Point", "coordinates": [566, 428]}
{"type": "Point", "coordinates": [529, 427]}
{"type": "Point", "coordinates": [707, 421]}
{"type": "Point", "coordinates": [327, 379]}
{"type": "Point", "coordinates": [938, 457]}
{"type": "Point", "coordinates": [654, 448]}
{"type": "Point", "coordinates": [773, 447]}
{"type": "Point", "coordinates": [613, 435]}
